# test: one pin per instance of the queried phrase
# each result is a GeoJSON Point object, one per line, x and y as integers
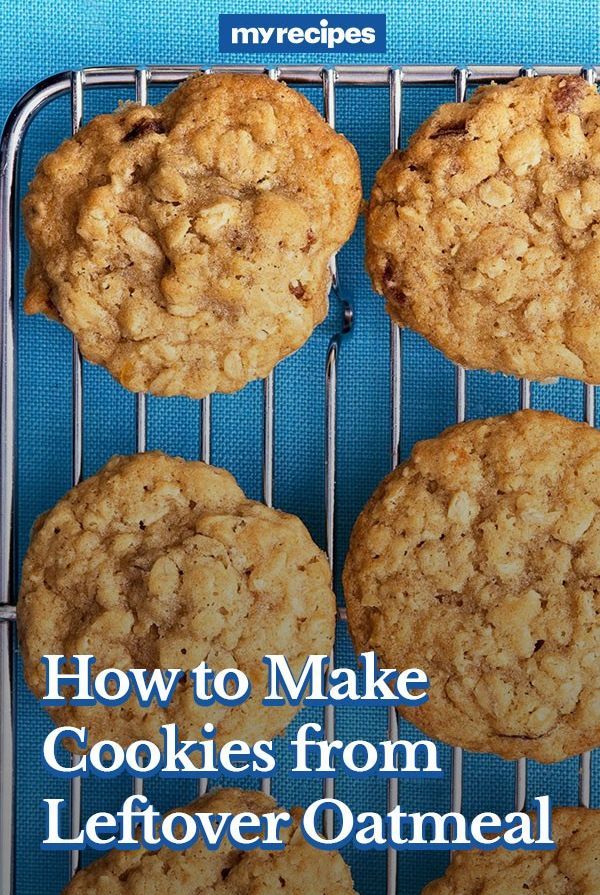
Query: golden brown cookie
{"type": "Point", "coordinates": [299, 868]}
{"type": "Point", "coordinates": [484, 235]}
{"type": "Point", "coordinates": [186, 245]}
{"type": "Point", "coordinates": [572, 868]}
{"type": "Point", "coordinates": [156, 562]}
{"type": "Point", "coordinates": [478, 560]}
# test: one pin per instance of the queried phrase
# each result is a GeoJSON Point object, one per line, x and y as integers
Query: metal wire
{"type": "Point", "coordinates": [329, 79]}
{"type": "Point", "coordinates": [77, 466]}
{"type": "Point", "coordinates": [269, 412]}
{"type": "Point", "coordinates": [525, 402]}
{"type": "Point", "coordinates": [268, 448]}
{"type": "Point", "coordinates": [393, 786]}
{"type": "Point", "coordinates": [73, 83]}
{"type": "Point", "coordinates": [521, 763]}
{"type": "Point", "coordinates": [141, 97]}
{"type": "Point", "coordinates": [8, 199]}
{"type": "Point", "coordinates": [461, 79]}
{"type": "Point", "coordinates": [589, 415]}
{"type": "Point", "coordinates": [346, 76]}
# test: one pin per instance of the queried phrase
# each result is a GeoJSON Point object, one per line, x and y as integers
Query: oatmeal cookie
{"type": "Point", "coordinates": [156, 562]}
{"type": "Point", "coordinates": [478, 560]}
{"type": "Point", "coordinates": [572, 867]}
{"type": "Point", "coordinates": [298, 868]}
{"type": "Point", "coordinates": [484, 235]}
{"type": "Point", "coordinates": [186, 245]}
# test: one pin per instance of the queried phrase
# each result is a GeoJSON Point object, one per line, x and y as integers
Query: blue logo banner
{"type": "Point", "coordinates": [302, 33]}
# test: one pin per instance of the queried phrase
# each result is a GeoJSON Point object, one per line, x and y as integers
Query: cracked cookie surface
{"type": "Point", "coordinates": [478, 560]}
{"type": "Point", "coordinates": [298, 868]}
{"type": "Point", "coordinates": [572, 868]}
{"type": "Point", "coordinates": [484, 235]}
{"type": "Point", "coordinates": [157, 562]}
{"type": "Point", "coordinates": [186, 245]}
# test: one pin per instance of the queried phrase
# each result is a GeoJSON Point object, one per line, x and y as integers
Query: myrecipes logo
{"type": "Point", "coordinates": [302, 33]}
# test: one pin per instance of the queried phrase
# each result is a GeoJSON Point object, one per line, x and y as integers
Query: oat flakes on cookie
{"type": "Point", "coordinates": [186, 245]}
{"type": "Point", "coordinates": [478, 560]}
{"type": "Point", "coordinates": [572, 868]}
{"type": "Point", "coordinates": [157, 562]}
{"type": "Point", "coordinates": [299, 868]}
{"type": "Point", "coordinates": [484, 235]}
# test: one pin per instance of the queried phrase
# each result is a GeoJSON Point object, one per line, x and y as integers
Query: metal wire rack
{"type": "Point", "coordinates": [395, 80]}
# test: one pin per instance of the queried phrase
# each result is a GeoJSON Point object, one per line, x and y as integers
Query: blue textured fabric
{"type": "Point", "coordinates": [38, 38]}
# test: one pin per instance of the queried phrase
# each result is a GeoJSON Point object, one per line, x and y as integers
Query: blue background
{"type": "Point", "coordinates": [39, 38]}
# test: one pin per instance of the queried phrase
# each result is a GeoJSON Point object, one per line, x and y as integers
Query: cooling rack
{"type": "Point", "coordinates": [394, 80]}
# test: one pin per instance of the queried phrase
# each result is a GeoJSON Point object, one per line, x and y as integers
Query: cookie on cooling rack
{"type": "Point", "coordinates": [156, 562]}
{"type": "Point", "coordinates": [298, 868]}
{"type": "Point", "coordinates": [478, 560]}
{"type": "Point", "coordinates": [573, 866]}
{"type": "Point", "coordinates": [484, 235]}
{"type": "Point", "coordinates": [186, 245]}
